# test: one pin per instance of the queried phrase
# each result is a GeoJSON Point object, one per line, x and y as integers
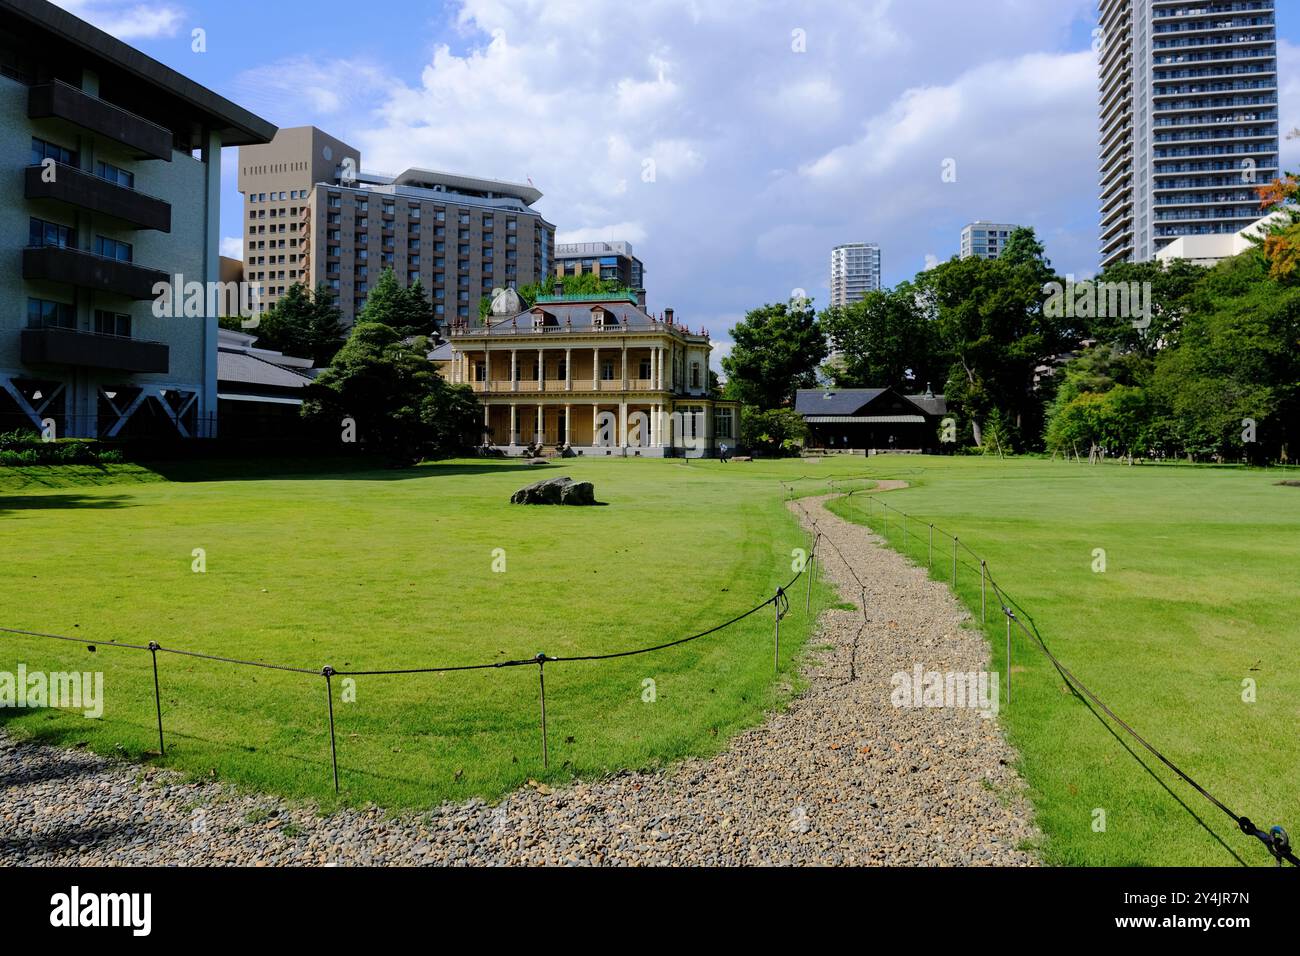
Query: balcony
{"type": "Point", "coordinates": [89, 271]}
{"type": "Point", "coordinates": [59, 100]}
{"type": "Point", "coordinates": [76, 187]}
{"type": "Point", "coordinates": [92, 350]}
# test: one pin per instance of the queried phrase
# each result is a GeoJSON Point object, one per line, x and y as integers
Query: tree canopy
{"type": "Point", "coordinates": [776, 350]}
{"type": "Point", "coordinates": [302, 323]}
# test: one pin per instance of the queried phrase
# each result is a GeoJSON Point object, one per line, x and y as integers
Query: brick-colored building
{"type": "Point", "coordinates": [312, 216]}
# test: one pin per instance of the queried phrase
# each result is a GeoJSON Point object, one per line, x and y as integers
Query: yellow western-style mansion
{"type": "Point", "coordinates": [596, 373]}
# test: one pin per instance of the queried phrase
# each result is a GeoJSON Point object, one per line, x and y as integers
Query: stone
{"type": "Point", "coordinates": [561, 490]}
{"type": "Point", "coordinates": [578, 493]}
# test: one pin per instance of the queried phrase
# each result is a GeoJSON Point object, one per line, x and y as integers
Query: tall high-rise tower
{"type": "Point", "coordinates": [1189, 120]}
{"type": "Point", "coordinates": [855, 271]}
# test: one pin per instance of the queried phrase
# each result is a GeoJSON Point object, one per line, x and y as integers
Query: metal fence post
{"type": "Point", "coordinates": [984, 577]}
{"type": "Point", "coordinates": [1010, 615]}
{"type": "Point", "coordinates": [541, 684]}
{"type": "Point", "coordinates": [329, 696]}
{"type": "Point", "coordinates": [929, 562]}
{"type": "Point", "coordinates": [776, 645]}
{"type": "Point", "coordinates": [812, 569]}
{"type": "Point", "coordinates": [954, 561]}
{"type": "Point", "coordinates": [157, 697]}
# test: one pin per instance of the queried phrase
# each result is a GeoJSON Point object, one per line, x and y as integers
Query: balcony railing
{"type": "Point", "coordinates": [89, 271]}
{"type": "Point", "coordinates": [558, 386]}
{"type": "Point", "coordinates": [59, 100]}
{"type": "Point", "coordinates": [76, 187]}
{"type": "Point", "coordinates": [54, 346]}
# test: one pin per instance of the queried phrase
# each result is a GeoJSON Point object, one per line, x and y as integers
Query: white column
{"type": "Point", "coordinates": [541, 426]}
{"type": "Point", "coordinates": [487, 423]}
{"type": "Point", "coordinates": [514, 423]}
{"type": "Point", "coordinates": [487, 369]}
{"type": "Point", "coordinates": [595, 368]}
{"type": "Point", "coordinates": [656, 440]}
{"type": "Point", "coordinates": [595, 419]}
{"type": "Point", "coordinates": [541, 370]}
{"type": "Point", "coordinates": [568, 373]}
{"type": "Point", "coordinates": [568, 417]}
{"type": "Point", "coordinates": [625, 367]}
{"type": "Point", "coordinates": [514, 371]}
{"type": "Point", "coordinates": [622, 424]}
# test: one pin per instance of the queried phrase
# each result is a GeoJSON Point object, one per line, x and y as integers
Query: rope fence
{"type": "Point", "coordinates": [877, 509]}
{"type": "Point", "coordinates": [1275, 839]}
{"type": "Point", "coordinates": [779, 602]}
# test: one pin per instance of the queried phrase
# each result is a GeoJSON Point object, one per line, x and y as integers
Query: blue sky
{"type": "Point", "coordinates": [774, 130]}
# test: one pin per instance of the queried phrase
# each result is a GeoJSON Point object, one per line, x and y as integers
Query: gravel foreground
{"type": "Point", "coordinates": [841, 777]}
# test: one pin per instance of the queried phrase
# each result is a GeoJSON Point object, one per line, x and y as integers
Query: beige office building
{"type": "Point", "coordinates": [312, 216]}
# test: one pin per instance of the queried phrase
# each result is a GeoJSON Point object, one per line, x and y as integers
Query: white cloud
{"type": "Point", "coordinates": [301, 89]}
{"type": "Point", "coordinates": [764, 158]}
{"type": "Point", "coordinates": [126, 19]}
{"type": "Point", "coordinates": [1288, 66]}
{"type": "Point", "coordinates": [633, 232]}
{"type": "Point", "coordinates": [232, 247]}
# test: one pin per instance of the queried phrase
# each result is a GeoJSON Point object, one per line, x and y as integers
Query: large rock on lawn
{"type": "Point", "coordinates": [555, 491]}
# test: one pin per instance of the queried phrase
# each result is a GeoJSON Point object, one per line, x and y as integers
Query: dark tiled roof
{"type": "Point", "coordinates": [851, 401]}
{"type": "Point", "coordinates": [240, 368]}
{"type": "Point", "coordinates": [931, 404]}
{"type": "Point", "coordinates": [833, 401]}
{"type": "Point", "coordinates": [577, 315]}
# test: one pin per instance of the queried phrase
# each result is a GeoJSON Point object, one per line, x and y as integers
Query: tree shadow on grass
{"type": "Point", "coordinates": [42, 502]}
{"type": "Point", "coordinates": [326, 469]}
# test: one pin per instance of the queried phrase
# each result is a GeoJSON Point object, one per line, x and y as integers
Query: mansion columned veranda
{"type": "Point", "coordinates": [596, 373]}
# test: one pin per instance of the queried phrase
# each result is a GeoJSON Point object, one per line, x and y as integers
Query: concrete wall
{"type": "Point", "coordinates": [183, 183]}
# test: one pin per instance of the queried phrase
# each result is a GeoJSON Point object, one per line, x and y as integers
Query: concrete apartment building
{"type": "Point", "coordinates": [985, 240]}
{"type": "Point", "coordinates": [609, 260]}
{"type": "Point", "coordinates": [113, 186]}
{"type": "Point", "coordinates": [311, 215]}
{"type": "Point", "coordinates": [1188, 120]}
{"type": "Point", "coordinates": [597, 373]}
{"type": "Point", "coordinates": [855, 271]}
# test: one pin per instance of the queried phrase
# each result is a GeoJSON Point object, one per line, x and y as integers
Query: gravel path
{"type": "Point", "coordinates": [840, 777]}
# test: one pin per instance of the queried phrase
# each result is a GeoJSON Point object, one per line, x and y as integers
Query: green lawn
{"type": "Point", "coordinates": [1199, 593]}
{"type": "Point", "coordinates": [373, 569]}
{"type": "Point", "coordinates": [384, 569]}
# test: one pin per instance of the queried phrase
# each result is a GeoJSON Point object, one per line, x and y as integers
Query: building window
{"type": "Point", "coordinates": [43, 150]}
{"type": "Point", "coordinates": [722, 423]}
{"type": "Point", "coordinates": [112, 323]}
{"type": "Point", "coordinates": [607, 370]}
{"type": "Point", "coordinates": [644, 370]}
{"type": "Point", "coordinates": [44, 314]}
{"type": "Point", "coordinates": [480, 371]}
{"type": "Point", "coordinates": [43, 233]}
{"type": "Point", "coordinates": [122, 177]}
{"type": "Point", "coordinates": [695, 375]}
{"type": "Point", "coordinates": [113, 249]}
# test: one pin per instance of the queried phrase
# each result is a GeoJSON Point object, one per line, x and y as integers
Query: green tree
{"type": "Point", "coordinates": [777, 350]}
{"type": "Point", "coordinates": [400, 406]}
{"type": "Point", "coordinates": [404, 309]}
{"type": "Point", "coordinates": [1233, 371]}
{"type": "Point", "coordinates": [989, 317]}
{"type": "Point", "coordinates": [772, 431]}
{"type": "Point", "coordinates": [1170, 285]}
{"type": "Point", "coordinates": [302, 323]}
{"type": "Point", "coordinates": [884, 339]}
